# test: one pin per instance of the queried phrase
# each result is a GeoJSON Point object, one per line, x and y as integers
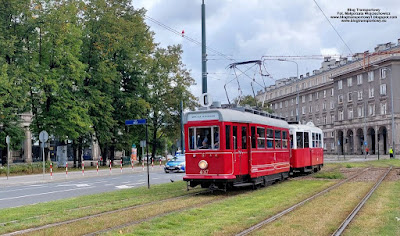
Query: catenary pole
{"type": "Point", "coordinates": [203, 48]}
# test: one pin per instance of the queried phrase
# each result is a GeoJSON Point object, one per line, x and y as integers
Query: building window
{"type": "Point", "coordinates": [350, 97]}
{"type": "Point", "coordinates": [325, 120]}
{"type": "Point", "coordinates": [370, 76]}
{"type": "Point", "coordinates": [297, 100]}
{"type": "Point", "coordinates": [360, 111]}
{"type": "Point", "coordinates": [332, 92]}
{"type": "Point", "coordinates": [359, 95]}
{"type": "Point", "coordinates": [383, 108]}
{"type": "Point", "coordinates": [297, 112]}
{"type": "Point", "coordinates": [332, 105]}
{"type": "Point", "coordinates": [303, 99]}
{"type": "Point", "coordinates": [303, 110]}
{"type": "Point", "coordinates": [324, 106]}
{"type": "Point", "coordinates": [291, 113]}
{"type": "Point", "coordinates": [310, 109]}
{"type": "Point", "coordinates": [350, 113]}
{"type": "Point", "coordinates": [286, 103]}
{"type": "Point", "coordinates": [340, 84]}
{"type": "Point", "coordinates": [340, 115]}
{"type": "Point", "coordinates": [332, 134]}
{"type": "Point", "coordinates": [340, 98]}
{"type": "Point", "coordinates": [304, 85]}
{"type": "Point", "coordinates": [359, 79]}
{"type": "Point", "coordinates": [349, 82]}
{"type": "Point", "coordinates": [383, 73]}
{"type": "Point", "coordinates": [332, 119]}
{"type": "Point", "coordinates": [316, 95]}
{"type": "Point", "coordinates": [324, 93]}
{"type": "Point", "coordinates": [383, 89]}
{"type": "Point", "coordinates": [371, 109]}
{"type": "Point", "coordinates": [310, 97]}
{"type": "Point", "coordinates": [280, 105]}
{"type": "Point", "coordinates": [333, 146]}
{"type": "Point", "coordinates": [371, 92]}
{"type": "Point", "coordinates": [291, 89]}
{"type": "Point", "coordinates": [276, 106]}
{"type": "Point", "coordinates": [317, 108]}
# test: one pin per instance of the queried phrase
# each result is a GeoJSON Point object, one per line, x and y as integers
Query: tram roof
{"type": "Point", "coordinates": [230, 115]}
{"type": "Point", "coordinates": [307, 127]}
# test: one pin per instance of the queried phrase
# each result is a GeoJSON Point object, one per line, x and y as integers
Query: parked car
{"type": "Point", "coordinates": [177, 164]}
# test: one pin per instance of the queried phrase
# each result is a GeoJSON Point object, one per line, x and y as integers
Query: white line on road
{"type": "Point", "coordinates": [38, 194]}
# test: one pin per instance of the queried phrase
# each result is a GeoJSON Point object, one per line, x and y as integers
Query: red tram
{"type": "Point", "coordinates": [241, 147]}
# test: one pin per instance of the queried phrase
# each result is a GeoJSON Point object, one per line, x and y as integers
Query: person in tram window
{"type": "Point", "coordinates": [216, 139]}
{"type": "Point", "coordinates": [199, 145]}
{"type": "Point", "coordinates": [206, 139]}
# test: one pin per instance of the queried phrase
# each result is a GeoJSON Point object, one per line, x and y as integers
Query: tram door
{"type": "Point", "coordinates": [242, 149]}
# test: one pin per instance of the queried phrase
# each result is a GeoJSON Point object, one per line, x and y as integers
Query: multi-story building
{"type": "Point", "coordinates": [350, 100]}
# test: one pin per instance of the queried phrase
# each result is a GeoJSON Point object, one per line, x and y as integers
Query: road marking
{"type": "Point", "coordinates": [123, 186]}
{"type": "Point", "coordinates": [38, 194]}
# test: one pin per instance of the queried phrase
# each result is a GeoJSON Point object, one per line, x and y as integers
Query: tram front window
{"type": "Point", "coordinates": [204, 138]}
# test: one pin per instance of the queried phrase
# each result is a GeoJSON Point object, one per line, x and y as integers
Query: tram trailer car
{"type": "Point", "coordinates": [306, 148]}
{"type": "Point", "coordinates": [236, 147]}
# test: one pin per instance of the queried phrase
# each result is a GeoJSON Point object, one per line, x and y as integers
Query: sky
{"type": "Point", "coordinates": [245, 30]}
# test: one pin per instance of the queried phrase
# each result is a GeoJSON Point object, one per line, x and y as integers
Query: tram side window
{"type": "Point", "coordinates": [319, 140]}
{"type": "Point", "coordinates": [228, 136]}
{"type": "Point", "coordinates": [278, 141]}
{"type": "Point", "coordinates": [234, 131]}
{"type": "Point", "coordinates": [306, 140]}
{"type": "Point", "coordinates": [244, 138]}
{"type": "Point", "coordinates": [253, 137]}
{"type": "Point", "coordinates": [270, 138]}
{"type": "Point", "coordinates": [284, 139]}
{"type": "Point", "coordinates": [299, 139]}
{"type": "Point", "coordinates": [291, 141]}
{"type": "Point", "coordinates": [261, 138]}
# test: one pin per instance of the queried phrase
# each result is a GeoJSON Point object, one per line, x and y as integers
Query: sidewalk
{"type": "Point", "coordinates": [62, 176]}
{"type": "Point", "coordinates": [354, 158]}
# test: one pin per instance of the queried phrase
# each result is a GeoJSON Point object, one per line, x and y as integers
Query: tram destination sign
{"type": "Point", "coordinates": [203, 116]}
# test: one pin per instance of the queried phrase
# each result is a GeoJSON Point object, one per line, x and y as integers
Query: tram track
{"type": "Point", "coordinates": [66, 222]}
{"type": "Point", "coordinates": [292, 208]}
{"type": "Point", "coordinates": [355, 211]}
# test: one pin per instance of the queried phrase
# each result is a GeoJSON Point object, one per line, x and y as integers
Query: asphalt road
{"type": "Point", "coordinates": [21, 195]}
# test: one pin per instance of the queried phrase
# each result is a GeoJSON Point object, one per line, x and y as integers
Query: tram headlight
{"type": "Point", "coordinates": [203, 164]}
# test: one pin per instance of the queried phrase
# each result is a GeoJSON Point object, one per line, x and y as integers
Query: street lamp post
{"type": "Point", "coordinates": [391, 101]}
{"type": "Point", "coordinates": [297, 87]}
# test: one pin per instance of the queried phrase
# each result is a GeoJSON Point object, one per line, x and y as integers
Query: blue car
{"type": "Point", "coordinates": [177, 164]}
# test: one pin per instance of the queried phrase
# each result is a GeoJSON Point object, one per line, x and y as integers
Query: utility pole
{"type": "Point", "coordinates": [203, 48]}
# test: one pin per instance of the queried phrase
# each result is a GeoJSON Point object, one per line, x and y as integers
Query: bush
{"type": "Point", "coordinates": [349, 166]}
{"type": "Point", "coordinates": [25, 168]}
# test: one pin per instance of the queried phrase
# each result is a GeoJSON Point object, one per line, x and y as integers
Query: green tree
{"type": "Point", "coordinates": [117, 49]}
{"type": "Point", "coordinates": [14, 28]}
{"type": "Point", "coordinates": [252, 102]}
{"type": "Point", "coordinates": [168, 83]}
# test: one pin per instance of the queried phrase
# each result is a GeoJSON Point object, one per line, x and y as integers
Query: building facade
{"type": "Point", "coordinates": [350, 100]}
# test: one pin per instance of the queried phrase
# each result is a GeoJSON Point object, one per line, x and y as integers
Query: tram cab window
{"type": "Point", "coordinates": [261, 138]}
{"type": "Point", "coordinates": [203, 138]}
{"type": "Point", "coordinates": [253, 137]}
{"type": "Point", "coordinates": [228, 136]}
{"type": "Point", "coordinates": [299, 139]}
{"type": "Point", "coordinates": [244, 138]}
{"type": "Point", "coordinates": [284, 139]}
{"type": "Point", "coordinates": [306, 140]}
{"type": "Point", "coordinates": [314, 140]}
{"type": "Point", "coordinates": [270, 138]}
{"type": "Point", "coordinates": [278, 141]}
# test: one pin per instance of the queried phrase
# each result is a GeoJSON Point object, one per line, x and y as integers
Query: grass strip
{"type": "Point", "coordinates": [231, 215]}
{"type": "Point", "coordinates": [374, 163]}
{"type": "Point", "coordinates": [321, 216]}
{"type": "Point", "coordinates": [13, 219]}
{"type": "Point", "coordinates": [381, 214]}
{"type": "Point", "coordinates": [329, 175]}
{"type": "Point", "coordinates": [137, 214]}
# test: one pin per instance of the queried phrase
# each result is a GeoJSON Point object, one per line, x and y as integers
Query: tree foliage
{"type": "Point", "coordinates": [84, 67]}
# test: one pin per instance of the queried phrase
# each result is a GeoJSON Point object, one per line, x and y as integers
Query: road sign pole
{"type": "Point", "coordinates": [43, 137]}
{"type": "Point", "coordinates": [43, 159]}
{"type": "Point", "coordinates": [147, 154]}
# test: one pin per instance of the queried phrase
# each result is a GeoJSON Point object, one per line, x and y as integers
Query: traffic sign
{"type": "Point", "coordinates": [365, 143]}
{"type": "Point", "coordinates": [8, 139]}
{"type": "Point", "coordinates": [43, 136]}
{"type": "Point", "coordinates": [143, 143]}
{"type": "Point", "coordinates": [136, 122]}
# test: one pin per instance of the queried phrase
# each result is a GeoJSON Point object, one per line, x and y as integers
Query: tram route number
{"type": "Point", "coordinates": [203, 172]}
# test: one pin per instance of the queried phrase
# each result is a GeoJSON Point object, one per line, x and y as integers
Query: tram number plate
{"type": "Point", "coordinates": [203, 172]}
